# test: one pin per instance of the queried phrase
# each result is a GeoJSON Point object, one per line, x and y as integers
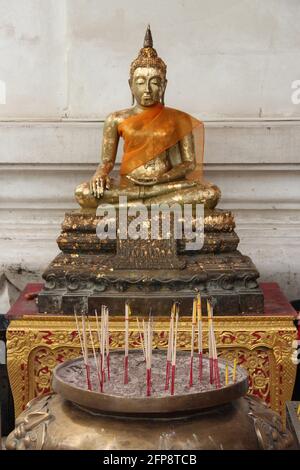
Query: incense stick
{"type": "Point", "coordinates": [149, 358]}
{"type": "Point", "coordinates": [170, 345]}
{"type": "Point", "coordinates": [107, 342]}
{"type": "Point", "coordinates": [148, 348]}
{"type": "Point", "coordinates": [141, 338]}
{"type": "Point", "coordinates": [200, 340]}
{"type": "Point", "coordinates": [87, 366]}
{"type": "Point", "coordinates": [84, 356]}
{"type": "Point", "coordinates": [100, 346]}
{"type": "Point", "coordinates": [126, 343]}
{"type": "Point", "coordinates": [216, 371]}
{"type": "Point", "coordinates": [210, 352]}
{"type": "Point", "coordinates": [94, 354]}
{"type": "Point", "coordinates": [194, 320]}
{"type": "Point", "coordinates": [79, 335]}
{"type": "Point", "coordinates": [174, 348]}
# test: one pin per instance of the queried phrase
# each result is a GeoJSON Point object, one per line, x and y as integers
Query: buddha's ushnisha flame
{"type": "Point", "coordinates": [148, 56]}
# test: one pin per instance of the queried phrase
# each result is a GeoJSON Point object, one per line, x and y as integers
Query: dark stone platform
{"type": "Point", "coordinates": [150, 273]}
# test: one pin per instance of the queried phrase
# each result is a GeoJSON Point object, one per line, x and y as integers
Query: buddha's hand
{"type": "Point", "coordinates": [142, 182]}
{"type": "Point", "coordinates": [98, 184]}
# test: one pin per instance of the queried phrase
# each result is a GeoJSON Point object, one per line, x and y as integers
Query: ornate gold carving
{"type": "Point", "coordinates": [263, 345]}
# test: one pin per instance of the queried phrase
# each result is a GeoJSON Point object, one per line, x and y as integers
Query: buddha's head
{"type": "Point", "coordinates": [148, 75]}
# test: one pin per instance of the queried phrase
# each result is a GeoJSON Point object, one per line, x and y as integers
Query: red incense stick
{"type": "Point", "coordinates": [126, 378]}
{"type": "Point", "coordinates": [149, 359]}
{"type": "Point", "coordinates": [214, 364]}
{"type": "Point", "coordinates": [141, 338]}
{"type": "Point", "coordinates": [215, 361]}
{"type": "Point", "coordinates": [210, 345]}
{"type": "Point", "coordinates": [87, 366]}
{"type": "Point", "coordinates": [95, 357]}
{"type": "Point", "coordinates": [100, 354]}
{"type": "Point", "coordinates": [102, 362]}
{"type": "Point", "coordinates": [174, 353]}
{"type": "Point", "coordinates": [170, 345]}
{"type": "Point", "coordinates": [194, 319]}
{"type": "Point", "coordinates": [107, 342]}
{"type": "Point", "coordinates": [200, 346]}
{"type": "Point", "coordinates": [88, 381]}
{"type": "Point", "coordinates": [148, 346]}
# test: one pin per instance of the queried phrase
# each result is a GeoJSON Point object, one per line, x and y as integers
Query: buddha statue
{"type": "Point", "coordinates": [162, 160]}
{"type": "Point", "coordinates": [162, 164]}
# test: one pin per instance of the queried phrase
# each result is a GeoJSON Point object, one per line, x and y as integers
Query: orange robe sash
{"type": "Point", "coordinates": [151, 132]}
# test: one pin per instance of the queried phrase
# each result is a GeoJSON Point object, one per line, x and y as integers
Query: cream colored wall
{"type": "Point", "coordinates": [64, 67]}
{"type": "Point", "coordinates": [226, 58]}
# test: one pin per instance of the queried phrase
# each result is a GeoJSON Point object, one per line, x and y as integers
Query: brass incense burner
{"type": "Point", "coordinates": [217, 419]}
{"type": "Point", "coordinates": [153, 405]}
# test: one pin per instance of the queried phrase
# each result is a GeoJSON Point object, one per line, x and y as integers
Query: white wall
{"type": "Point", "coordinates": [64, 66]}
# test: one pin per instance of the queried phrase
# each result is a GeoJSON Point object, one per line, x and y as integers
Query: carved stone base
{"type": "Point", "coordinates": [230, 279]}
{"type": "Point", "coordinates": [79, 234]}
{"type": "Point", "coordinates": [150, 272]}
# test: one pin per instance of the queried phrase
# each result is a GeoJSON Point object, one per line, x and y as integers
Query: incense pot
{"type": "Point", "coordinates": [74, 418]}
{"type": "Point", "coordinates": [140, 404]}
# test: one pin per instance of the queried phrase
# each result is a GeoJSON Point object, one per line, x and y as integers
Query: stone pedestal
{"type": "Point", "coordinates": [150, 273]}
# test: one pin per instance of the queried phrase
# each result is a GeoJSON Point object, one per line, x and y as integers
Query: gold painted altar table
{"type": "Point", "coordinates": [262, 344]}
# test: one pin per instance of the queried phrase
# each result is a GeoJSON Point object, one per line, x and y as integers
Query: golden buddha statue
{"type": "Point", "coordinates": [162, 160]}
{"type": "Point", "coordinates": [161, 165]}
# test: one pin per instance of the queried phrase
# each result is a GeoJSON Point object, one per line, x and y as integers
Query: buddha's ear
{"type": "Point", "coordinates": [132, 95]}
{"type": "Point", "coordinates": [165, 82]}
{"type": "Point", "coordinates": [163, 93]}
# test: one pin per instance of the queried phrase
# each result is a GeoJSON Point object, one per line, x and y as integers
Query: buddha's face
{"type": "Point", "coordinates": [147, 85]}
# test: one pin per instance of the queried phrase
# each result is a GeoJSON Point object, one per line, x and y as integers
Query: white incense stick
{"type": "Point", "coordinates": [103, 336]}
{"type": "Point", "coordinates": [107, 341]}
{"type": "Point", "coordinates": [98, 330]}
{"type": "Point", "coordinates": [174, 349]}
{"type": "Point", "coordinates": [94, 354]}
{"type": "Point", "coordinates": [175, 339]}
{"type": "Point", "coordinates": [200, 338]}
{"type": "Point", "coordinates": [79, 334]}
{"type": "Point", "coordinates": [126, 378]}
{"type": "Point", "coordinates": [141, 337]}
{"type": "Point", "coordinates": [170, 348]}
{"type": "Point", "coordinates": [194, 322]}
{"type": "Point", "coordinates": [87, 366]}
{"type": "Point", "coordinates": [84, 340]}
